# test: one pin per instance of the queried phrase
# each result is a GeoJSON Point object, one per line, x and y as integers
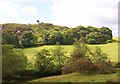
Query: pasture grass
{"type": "Point", "coordinates": [78, 77]}
{"type": "Point", "coordinates": [111, 49]}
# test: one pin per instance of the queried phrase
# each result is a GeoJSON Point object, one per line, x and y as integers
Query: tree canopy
{"type": "Point", "coordinates": [51, 34]}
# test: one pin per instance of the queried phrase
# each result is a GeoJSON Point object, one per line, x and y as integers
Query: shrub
{"type": "Point", "coordinates": [50, 62]}
{"type": "Point", "coordinates": [59, 57]}
{"type": "Point", "coordinates": [80, 50]}
{"type": "Point", "coordinates": [111, 82]}
{"type": "Point", "coordinates": [105, 67]}
{"type": "Point", "coordinates": [101, 60]}
{"type": "Point", "coordinates": [82, 65]}
{"type": "Point", "coordinates": [98, 55]}
{"type": "Point", "coordinates": [43, 61]}
{"type": "Point", "coordinates": [109, 41]}
{"type": "Point", "coordinates": [96, 38]}
{"type": "Point", "coordinates": [9, 38]}
{"type": "Point", "coordinates": [12, 61]}
{"type": "Point", "coordinates": [28, 39]}
{"type": "Point", "coordinates": [68, 68]}
{"type": "Point", "coordinates": [55, 36]}
{"type": "Point", "coordinates": [85, 61]}
{"type": "Point", "coordinates": [117, 65]}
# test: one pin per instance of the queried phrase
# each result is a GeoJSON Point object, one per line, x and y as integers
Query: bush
{"type": "Point", "coordinates": [82, 65]}
{"type": "Point", "coordinates": [117, 65]}
{"type": "Point", "coordinates": [9, 38]}
{"type": "Point", "coordinates": [99, 55]}
{"type": "Point", "coordinates": [111, 82]}
{"type": "Point", "coordinates": [96, 38]}
{"type": "Point", "coordinates": [80, 50]}
{"type": "Point", "coordinates": [43, 61]}
{"type": "Point", "coordinates": [59, 57]}
{"type": "Point", "coordinates": [85, 61]}
{"type": "Point", "coordinates": [28, 39]}
{"type": "Point", "coordinates": [109, 41]}
{"type": "Point", "coordinates": [13, 60]}
{"type": "Point", "coordinates": [67, 68]}
{"type": "Point", "coordinates": [55, 36]}
{"type": "Point", "coordinates": [105, 67]}
{"type": "Point", "coordinates": [100, 59]}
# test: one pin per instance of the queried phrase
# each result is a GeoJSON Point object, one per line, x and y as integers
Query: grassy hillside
{"type": "Point", "coordinates": [36, 28]}
{"type": "Point", "coordinates": [77, 77]}
{"type": "Point", "coordinates": [111, 49]}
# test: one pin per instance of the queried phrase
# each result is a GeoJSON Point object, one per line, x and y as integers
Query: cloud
{"type": "Point", "coordinates": [86, 12]}
{"type": "Point", "coordinates": [11, 11]}
{"type": "Point", "coordinates": [13, 0]}
{"type": "Point", "coordinates": [28, 0]}
{"type": "Point", "coordinates": [8, 8]}
{"type": "Point", "coordinates": [29, 10]}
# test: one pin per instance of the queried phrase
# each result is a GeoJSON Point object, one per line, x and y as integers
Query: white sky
{"type": "Point", "coordinates": [69, 13]}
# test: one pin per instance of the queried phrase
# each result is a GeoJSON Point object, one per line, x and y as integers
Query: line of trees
{"type": "Point", "coordinates": [29, 35]}
{"type": "Point", "coordinates": [89, 35]}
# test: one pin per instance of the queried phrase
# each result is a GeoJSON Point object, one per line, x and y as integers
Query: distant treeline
{"type": "Point", "coordinates": [26, 35]}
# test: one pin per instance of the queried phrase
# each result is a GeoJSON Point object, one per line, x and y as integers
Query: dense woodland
{"type": "Point", "coordinates": [26, 35]}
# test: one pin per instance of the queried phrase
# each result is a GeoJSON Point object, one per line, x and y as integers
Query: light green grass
{"type": "Point", "coordinates": [77, 77]}
{"type": "Point", "coordinates": [111, 49]}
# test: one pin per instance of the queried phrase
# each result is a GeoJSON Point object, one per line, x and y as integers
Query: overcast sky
{"type": "Point", "coordinates": [69, 13]}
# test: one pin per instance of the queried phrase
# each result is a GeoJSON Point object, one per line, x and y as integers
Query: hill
{"type": "Point", "coordinates": [36, 28]}
{"type": "Point", "coordinates": [77, 77]}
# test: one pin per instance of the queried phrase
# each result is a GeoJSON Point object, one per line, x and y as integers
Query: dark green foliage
{"type": "Point", "coordinates": [58, 55]}
{"type": "Point", "coordinates": [52, 37]}
{"type": "Point", "coordinates": [107, 32]}
{"type": "Point", "coordinates": [61, 34]}
{"type": "Point", "coordinates": [43, 61]}
{"type": "Point", "coordinates": [13, 60]}
{"type": "Point", "coordinates": [11, 39]}
{"type": "Point", "coordinates": [109, 41]}
{"type": "Point", "coordinates": [78, 31]}
{"type": "Point", "coordinates": [96, 38]}
{"type": "Point", "coordinates": [68, 37]}
{"type": "Point", "coordinates": [50, 62]}
{"type": "Point", "coordinates": [28, 39]}
{"type": "Point", "coordinates": [55, 36]}
{"type": "Point", "coordinates": [92, 29]}
{"type": "Point", "coordinates": [45, 37]}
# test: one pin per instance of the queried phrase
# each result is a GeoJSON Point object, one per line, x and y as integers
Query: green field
{"type": "Point", "coordinates": [77, 77]}
{"type": "Point", "coordinates": [111, 49]}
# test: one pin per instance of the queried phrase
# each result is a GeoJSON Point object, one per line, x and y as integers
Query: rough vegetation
{"type": "Point", "coordinates": [86, 61]}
